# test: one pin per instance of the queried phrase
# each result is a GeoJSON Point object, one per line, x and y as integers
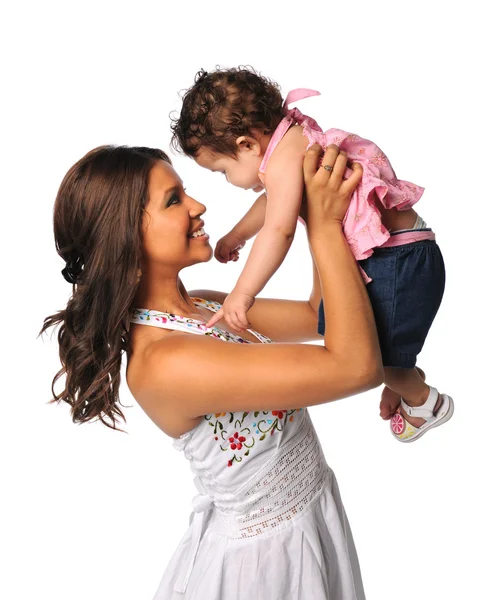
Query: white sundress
{"type": "Point", "coordinates": [268, 521]}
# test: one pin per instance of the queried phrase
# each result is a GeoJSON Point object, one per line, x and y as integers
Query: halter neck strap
{"type": "Point", "coordinates": [154, 318]}
{"type": "Point", "coordinates": [299, 94]}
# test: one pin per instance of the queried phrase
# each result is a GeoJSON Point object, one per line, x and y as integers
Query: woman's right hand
{"type": "Point", "coordinates": [328, 194]}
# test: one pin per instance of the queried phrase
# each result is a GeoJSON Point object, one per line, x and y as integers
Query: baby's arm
{"type": "Point", "coordinates": [284, 185]}
{"type": "Point", "coordinates": [253, 221]}
{"type": "Point", "coordinates": [228, 246]}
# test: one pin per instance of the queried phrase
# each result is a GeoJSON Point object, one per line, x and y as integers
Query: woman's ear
{"type": "Point", "coordinates": [245, 143]}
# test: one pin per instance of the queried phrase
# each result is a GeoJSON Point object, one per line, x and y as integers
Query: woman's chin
{"type": "Point", "coordinates": [196, 252]}
{"type": "Point", "coordinates": [204, 254]}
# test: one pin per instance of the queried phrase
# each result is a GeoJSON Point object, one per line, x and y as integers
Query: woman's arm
{"type": "Point", "coordinates": [195, 375]}
{"type": "Point", "coordinates": [281, 320]}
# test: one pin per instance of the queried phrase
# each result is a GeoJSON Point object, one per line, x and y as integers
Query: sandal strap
{"type": "Point", "coordinates": [426, 410]}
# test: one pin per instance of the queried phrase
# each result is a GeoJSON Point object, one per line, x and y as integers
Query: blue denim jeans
{"type": "Point", "coordinates": [405, 292]}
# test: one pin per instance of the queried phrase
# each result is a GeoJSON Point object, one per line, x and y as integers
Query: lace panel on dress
{"type": "Point", "coordinates": [285, 489]}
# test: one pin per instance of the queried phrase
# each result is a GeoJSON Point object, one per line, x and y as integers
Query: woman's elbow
{"type": "Point", "coordinates": [372, 374]}
{"type": "Point", "coordinates": [361, 374]}
{"type": "Point", "coordinates": [366, 373]}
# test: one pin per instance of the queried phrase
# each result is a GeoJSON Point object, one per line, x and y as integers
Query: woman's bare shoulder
{"type": "Point", "coordinates": [150, 386]}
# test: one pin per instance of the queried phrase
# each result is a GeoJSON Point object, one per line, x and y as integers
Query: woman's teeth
{"type": "Point", "coordinates": [198, 233]}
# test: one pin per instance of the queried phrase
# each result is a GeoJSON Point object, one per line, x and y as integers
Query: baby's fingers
{"type": "Point", "coordinates": [216, 317]}
{"type": "Point", "coordinates": [220, 253]}
{"type": "Point", "coordinates": [239, 322]}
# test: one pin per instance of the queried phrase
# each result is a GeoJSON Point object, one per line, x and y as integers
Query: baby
{"type": "Point", "coordinates": [234, 122]}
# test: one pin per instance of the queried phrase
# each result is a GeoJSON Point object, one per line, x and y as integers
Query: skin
{"type": "Point", "coordinates": [390, 400]}
{"type": "Point", "coordinates": [242, 170]}
{"type": "Point", "coordinates": [178, 377]}
{"type": "Point", "coordinates": [276, 220]}
{"type": "Point", "coordinates": [273, 222]}
{"type": "Point", "coordinates": [274, 225]}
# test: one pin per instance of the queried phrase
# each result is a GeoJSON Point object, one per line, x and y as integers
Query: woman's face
{"type": "Point", "coordinates": [171, 224]}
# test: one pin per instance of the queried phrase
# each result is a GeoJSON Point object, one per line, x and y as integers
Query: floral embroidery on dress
{"type": "Point", "coordinates": [234, 434]}
{"type": "Point", "coordinates": [237, 436]}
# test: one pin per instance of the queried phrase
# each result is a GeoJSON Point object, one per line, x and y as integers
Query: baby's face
{"type": "Point", "coordinates": [241, 171]}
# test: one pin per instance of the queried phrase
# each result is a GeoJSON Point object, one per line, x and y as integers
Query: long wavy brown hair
{"type": "Point", "coordinates": [97, 225]}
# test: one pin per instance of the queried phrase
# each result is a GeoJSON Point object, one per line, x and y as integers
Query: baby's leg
{"type": "Point", "coordinates": [390, 400]}
{"type": "Point", "coordinates": [410, 385]}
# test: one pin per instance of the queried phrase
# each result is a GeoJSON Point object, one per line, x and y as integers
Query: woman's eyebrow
{"type": "Point", "coordinates": [173, 188]}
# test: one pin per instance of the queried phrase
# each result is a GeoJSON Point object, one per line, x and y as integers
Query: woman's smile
{"type": "Point", "coordinates": [199, 234]}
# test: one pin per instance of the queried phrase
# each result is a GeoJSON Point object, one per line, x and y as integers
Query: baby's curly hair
{"type": "Point", "coordinates": [223, 105]}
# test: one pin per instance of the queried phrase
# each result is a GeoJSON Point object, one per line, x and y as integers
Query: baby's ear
{"type": "Point", "coordinates": [248, 143]}
{"type": "Point", "coordinates": [243, 142]}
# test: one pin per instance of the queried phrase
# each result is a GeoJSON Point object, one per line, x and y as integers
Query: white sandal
{"type": "Point", "coordinates": [405, 432]}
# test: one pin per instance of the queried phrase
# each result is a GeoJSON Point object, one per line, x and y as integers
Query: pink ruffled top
{"type": "Point", "coordinates": [362, 225]}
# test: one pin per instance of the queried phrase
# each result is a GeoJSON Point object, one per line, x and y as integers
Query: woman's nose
{"type": "Point", "coordinates": [196, 208]}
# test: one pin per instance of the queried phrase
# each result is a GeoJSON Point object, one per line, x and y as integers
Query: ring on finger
{"type": "Point", "coordinates": [328, 168]}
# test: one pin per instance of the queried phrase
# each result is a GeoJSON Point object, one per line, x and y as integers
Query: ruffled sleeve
{"type": "Point", "coordinates": [363, 223]}
{"type": "Point", "coordinates": [391, 191]}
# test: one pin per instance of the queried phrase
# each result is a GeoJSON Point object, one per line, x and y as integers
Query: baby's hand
{"type": "Point", "coordinates": [228, 247]}
{"type": "Point", "coordinates": [234, 310]}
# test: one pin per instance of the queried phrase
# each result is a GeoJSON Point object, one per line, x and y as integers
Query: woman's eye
{"type": "Point", "coordinates": [173, 200]}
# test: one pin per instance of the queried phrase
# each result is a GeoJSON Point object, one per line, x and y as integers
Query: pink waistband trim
{"type": "Point", "coordinates": [409, 237]}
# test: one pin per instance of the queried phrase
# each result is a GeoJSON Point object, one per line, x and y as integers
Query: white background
{"type": "Point", "coordinates": [91, 513]}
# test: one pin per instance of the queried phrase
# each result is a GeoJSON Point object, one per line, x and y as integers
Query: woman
{"type": "Point", "coordinates": [268, 520]}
